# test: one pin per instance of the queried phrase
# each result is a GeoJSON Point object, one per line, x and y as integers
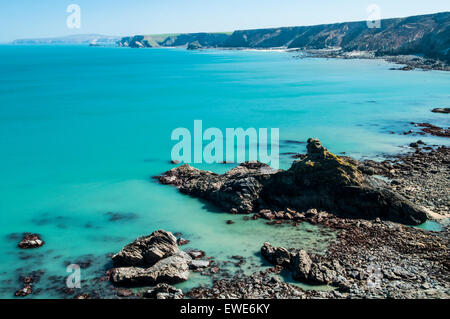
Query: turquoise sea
{"type": "Point", "coordinates": [83, 129]}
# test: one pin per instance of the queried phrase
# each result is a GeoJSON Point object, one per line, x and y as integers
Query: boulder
{"type": "Point", "coordinates": [319, 180]}
{"type": "Point", "coordinates": [147, 250]}
{"type": "Point", "coordinates": [444, 110]}
{"type": "Point", "coordinates": [276, 255]}
{"type": "Point", "coordinates": [304, 267]}
{"type": "Point", "coordinates": [30, 240]}
{"type": "Point", "coordinates": [172, 269]}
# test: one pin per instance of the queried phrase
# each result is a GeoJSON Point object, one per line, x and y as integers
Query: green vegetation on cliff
{"type": "Point", "coordinates": [427, 35]}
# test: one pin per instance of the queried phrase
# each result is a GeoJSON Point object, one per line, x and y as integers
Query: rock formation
{"type": "Point", "coordinates": [150, 260]}
{"type": "Point", "coordinates": [319, 180]}
{"type": "Point", "coordinates": [31, 241]}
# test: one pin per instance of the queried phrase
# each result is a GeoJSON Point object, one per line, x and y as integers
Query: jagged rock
{"type": "Point", "coordinates": [320, 180]}
{"type": "Point", "coordinates": [164, 291]}
{"type": "Point", "coordinates": [147, 250]}
{"type": "Point", "coordinates": [276, 255]}
{"type": "Point", "coordinates": [196, 254]}
{"type": "Point", "coordinates": [301, 265]}
{"type": "Point", "coordinates": [172, 269]}
{"type": "Point", "coordinates": [31, 241]}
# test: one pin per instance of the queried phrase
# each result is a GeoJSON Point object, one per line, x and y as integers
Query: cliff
{"type": "Point", "coordinates": [427, 35]}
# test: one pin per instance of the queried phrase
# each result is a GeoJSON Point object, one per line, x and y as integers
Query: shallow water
{"type": "Point", "coordinates": [82, 130]}
{"type": "Point", "coordinates": [431, 226]}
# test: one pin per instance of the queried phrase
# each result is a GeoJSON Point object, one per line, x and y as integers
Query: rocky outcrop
{"type": "Point", "coordinates": [173, 269]}
{"type": "Point", "coordinates": [276, 255]}
{"type": "Point", "coordinates": [137, 41]}
{"type": "Point", "coordinates": [374, 258]}
{"type": "Point", "coordinates": [425, 34]}
{"type": "Point", "coordinates": [194, 45]}
{"type": "Point", "coordinates": [400, 40]}
{"type": "Point", "coordinates": [320, 180]}
{"type": "Point", "coordinates": [433, 129]}
{"type": "Point", "coordinates": [30, 241]}
{"type": "Point", "coordinates": [201, 39]}
{"type": "Point", "coordinates": [444, 110]}
{"type": "Point", "coordinates": [190, 40]}
{"type": "Point", "coordinates": [150, 260]}
{"type": "Point", "coordinates": [147, 250]}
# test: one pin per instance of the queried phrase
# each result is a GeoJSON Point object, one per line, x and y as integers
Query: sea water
{"type": "Point", "coordinates": [83, 130]}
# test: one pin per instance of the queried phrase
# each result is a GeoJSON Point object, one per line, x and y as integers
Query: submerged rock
{"type": "Point", "coordinates": [30, 240]}
{"type": "Point", "coordinates": [320, 180]}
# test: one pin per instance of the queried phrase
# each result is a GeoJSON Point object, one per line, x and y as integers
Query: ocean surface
{"type": "Point", "coordinates": [83, 130]}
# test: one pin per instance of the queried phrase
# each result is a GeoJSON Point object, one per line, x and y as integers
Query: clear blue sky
{"type": "Point", "coordinates": [47, 18]}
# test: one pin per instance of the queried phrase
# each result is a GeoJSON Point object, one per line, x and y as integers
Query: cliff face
{"type": "Point", "coordinates": [427, 35]}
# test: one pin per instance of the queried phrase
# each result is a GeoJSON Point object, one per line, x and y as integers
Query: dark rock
{"type": "Point", "coordinates": [172, 269]}
{"type": "Point", "coordinates": [229, 222]}
{"type": "Point", "coordinates": [194, 45]}
{"type": "Point", "coordinates": [25, 291]}
{"type": "Point", "coordinates": [434, 130]}
{"type": "Point", "coordinates": [444, 110]}
{"type": "Point", "coordinates": [321, 180]}
{"type": "Point", "coordinates": [147, 250]}
{"type": "Point", "coordinates": [150, 260]}
{"type": "Point", "coordinates": [164, 291]}
{"type": "Point", "coordinates": [181, 241]}
{"type": "Point", "coordinates": [125, 293]}
{"type": "Point", "coordinates": [30, 240]}
{"type": "Point", "coordinates": [276, 256]}
{"type": "Point", "coordinates": [301, 264]}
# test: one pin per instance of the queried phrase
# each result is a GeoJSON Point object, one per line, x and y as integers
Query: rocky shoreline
{"type": "Point", "coordinates": [374, 256]}
{"type": "Point", "coordinates": [370, 259]}
{"type": "Point", "coordinates": [407, 62]}
{"type": "Point", "coordinates": [319, 180]}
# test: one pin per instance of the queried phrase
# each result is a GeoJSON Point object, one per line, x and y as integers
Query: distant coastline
{"type": "Point", "coordinates": [416, 42]}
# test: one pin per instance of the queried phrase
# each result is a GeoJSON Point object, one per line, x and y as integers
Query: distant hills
{"type": "Point", "coordinates": [427, 35]}
{"type": "Point", "coordinates": [73, 39]}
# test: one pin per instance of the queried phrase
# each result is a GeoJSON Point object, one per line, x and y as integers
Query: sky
{"type": "Point", "coordinates": [47, 18]}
